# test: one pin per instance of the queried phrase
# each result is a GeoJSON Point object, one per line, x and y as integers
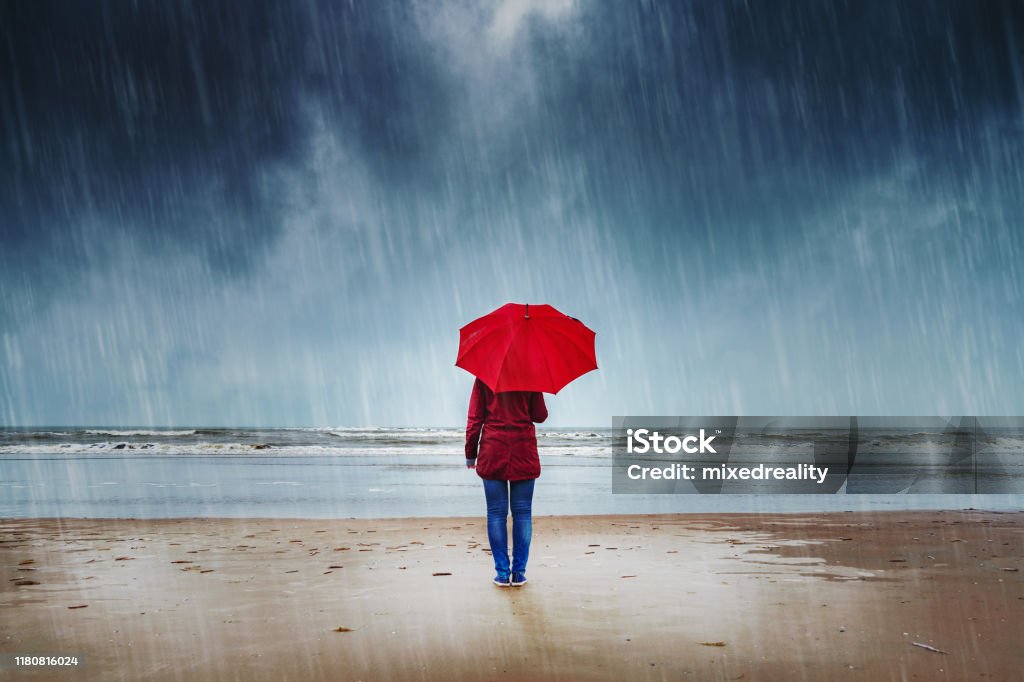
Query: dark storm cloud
{"type": "Point", "coordinates": [869, 67]}
{"type": "Point", "coordinates": [725, 95]}
{"type": "Point", "coordinates": [108, 104]}
{"type": "Point", "coordinates": [156, 120]}
{"type": "Point", "coordinates": [158, 117]}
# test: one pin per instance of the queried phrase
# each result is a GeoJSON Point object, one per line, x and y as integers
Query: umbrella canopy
{"type": "Point", "coordinates": [526, 348]}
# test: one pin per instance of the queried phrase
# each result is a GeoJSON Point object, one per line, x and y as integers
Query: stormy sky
{"type": "Point", "coordinates": [280, 213]}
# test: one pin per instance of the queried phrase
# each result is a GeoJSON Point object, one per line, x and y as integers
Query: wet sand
{"type": "Point", "coordinates": [848, 596]}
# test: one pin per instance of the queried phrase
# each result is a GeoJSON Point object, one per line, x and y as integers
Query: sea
{"type": "Point", "coordinates": [346, 472]}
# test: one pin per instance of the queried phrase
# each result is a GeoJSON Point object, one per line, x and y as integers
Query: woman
{"type": "Point", "coordinates": [501, 444]}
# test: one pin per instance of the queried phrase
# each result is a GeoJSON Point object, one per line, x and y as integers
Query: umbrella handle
{"type": "Point", "coordinates": [527, 311]}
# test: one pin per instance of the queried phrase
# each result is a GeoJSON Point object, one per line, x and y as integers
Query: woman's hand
{"type": "Point", "coordinates": [471, 464]}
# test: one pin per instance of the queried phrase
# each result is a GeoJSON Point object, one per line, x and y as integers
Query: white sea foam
{"type": "Point", "coordinates": [107, 449]}
{"type": "Point", "coordinates": [395, 434]}
{"type": "Point", "coordinates": [112, 432]}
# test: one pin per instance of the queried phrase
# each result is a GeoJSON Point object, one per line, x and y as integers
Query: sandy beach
{"type": "Point", "coordinates": [864, 596]}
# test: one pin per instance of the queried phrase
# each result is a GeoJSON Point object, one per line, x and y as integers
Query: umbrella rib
{"type": "Point", "coordinates": [512, 339]}
{"type": "Point", "coordinates": [586, 360]}
{"type": "Point", "coordinates": [547, 365]}
{"type": "Point", "coordinates": [489, 332]}
{"type": "Point", "coordinates": [570, 337]}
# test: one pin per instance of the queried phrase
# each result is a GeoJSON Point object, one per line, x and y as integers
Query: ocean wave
{"type": "Point", "coordinates": [133, 432]}
{"type": "Point", "coordinates": [397, 435]}
{"type": "Point", "coordinates": [287, 436]}
{"type": "Point", "coordinates": [573, 435]}
{"type": "Point", "coordinates": [126, 449]}
{"type": "Point", "coordinates": [416, 432]}
{"type": "Point", "coordinates": [40, 435]}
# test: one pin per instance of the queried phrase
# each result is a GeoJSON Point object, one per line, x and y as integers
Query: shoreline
{"type": "Point", "coordinates": [885, 511]}
{"type": "Point", "coordinates": [648, 596]}
{"type": "Point", "coordinates": [684, 515]}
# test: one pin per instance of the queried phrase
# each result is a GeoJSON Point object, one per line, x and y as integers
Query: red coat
{"type": "Point", "coordinates": [507, 448]}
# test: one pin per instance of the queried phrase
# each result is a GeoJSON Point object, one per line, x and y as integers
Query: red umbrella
{"type": "Point", "coordinates": [526, 348]}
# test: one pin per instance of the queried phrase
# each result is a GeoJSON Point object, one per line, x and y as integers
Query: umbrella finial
{"type": "Point", "coordinates": [527, 311]}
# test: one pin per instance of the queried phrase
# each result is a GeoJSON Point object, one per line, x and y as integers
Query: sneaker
{"type": "Point", "coordinates": [500, 582]}
{"type": "Point", "coordinates": [518, 579]}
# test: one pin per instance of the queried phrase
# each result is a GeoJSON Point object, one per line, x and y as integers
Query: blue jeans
{"type": "Point", "coordinates": [502, 496]}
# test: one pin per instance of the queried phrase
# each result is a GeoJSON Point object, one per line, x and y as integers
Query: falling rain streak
{"type": "Point", "coordinates": [280, 214]}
